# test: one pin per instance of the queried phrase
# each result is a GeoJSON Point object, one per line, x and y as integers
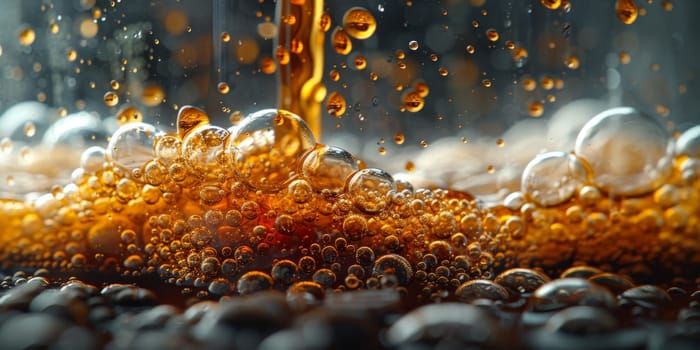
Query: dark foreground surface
{"type": "Point", "coordinates": [584, 311]}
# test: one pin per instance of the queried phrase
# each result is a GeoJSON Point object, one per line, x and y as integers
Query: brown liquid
{"type": "Point", "coordinates": [269, 208]}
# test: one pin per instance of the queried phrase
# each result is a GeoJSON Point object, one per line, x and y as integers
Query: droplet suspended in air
{"type": "Point", "coordinates": [359, 23]}
{"type": "Point", "coordinates": [27, 37]}
{"type": "Point", "coordinates": [626, 11]}
{"type": "Point", "coordinates": [341, 41]}
{"type": "Point", "coordinates": [111, 99]}
{"type": "Point", "coordinates": [336, 104]}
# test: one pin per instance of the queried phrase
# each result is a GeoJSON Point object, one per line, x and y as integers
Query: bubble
{"type": "Point", "coordinates": [265, 149]}
{"type": "Point", "coordinates": [359, 23]}
{"type": "Point", "coordinates": [327, 167]}
{"type": "Point", "coordinates": [219, 286]}
{"type": "Point", "coordinates": [480, 289]}
{"type": "Point", "coordinates": [132, 145]}
{"type": "Point", "coordinates": [92, 159]}
{"type": "Point", "coordinates": [393, 264]}
{"type": "Point", "coordinates": [252, 282]}
{"type": "Point", "coordinates": [168, 148]}
{"type": "Point", "coordinates": [111, 99]}
{"type": "Point", "coordinates": [324, 277]}
{"type": "Point", "coordinates": [285, 272]}
{"type": "Point", "coordinates": [688, 144]}
{"type": "Point", "coordinates": [189, 118]}
{"type": "Point", "coordinates": [129, 115]}
{"type": "Point", "coordinates": [355, 227]}
{"type": "Point", "coordinates": [626, 11]}
{"type": "Point", "coordinates": [552, 178]}
{"type": "Point", "coordinates": [551, 4]}
{"type": "Point", "coordinates": [341, 42]}
{"type": "Point", "coordinates": [492, 35]}
{"type": "Point", "coordinates": [202, 149]}
{"type": "Point", "coordinates": [152, 95]}
{"type": "Point", "coordinates": [628, 152]}
{"type": "Point", "coordinates": [27, 36]}
{"type": "Point", "coordinates": [336, 105]}
{"type": "Point", "coordinates": [370, 189]}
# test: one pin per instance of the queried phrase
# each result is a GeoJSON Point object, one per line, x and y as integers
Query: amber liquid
{"type": "Point", "coordinates": [219, 212]}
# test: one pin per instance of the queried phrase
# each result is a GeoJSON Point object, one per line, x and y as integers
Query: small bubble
{"type": "Point", "coordinates": [359, 23]}
{"type": "Point", "coordinates": [492, 35]}
{"type": "Point", "coordinates": [223, 88]}
{"type": "Point", "coordinates": [225, 37]}
{"type": "Point", "coordinates": [626, 11]}
{"type": "Point", "coordinates": [413, 45]}
{"type": "Point", "coordinates": [111, 99]}
{"type": "Point", "coordinates": [27, 37]}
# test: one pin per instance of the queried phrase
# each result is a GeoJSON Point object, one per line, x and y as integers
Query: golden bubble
{"type": "Point", "coordinates": [114, 84]}
{"type": "Point", "coordinates": [551, 4]}
{"type": "Point", "coordinates": [547, 83]}
{"type": "Point", "coordinates": [247, 50]}
{"type": "Point", "coordinates": [152, 95]}
{"type": "Point", "coordinates": [529, 84]}
{"type": "Point", "coordinates": [413, 102]}
{"type": "Point", "coordinates": [360, 63]}
{"type": "Point", "coordinates": [175, 22]}
{"type": "Point", "coordinates": [572, 62]}
{"type": "Point", "coordinates": [443, 71]}
{"type": "Point", "coordinates": [359, 23]}
{"type": "Point", "coordinates": [54, 28]}
{"type": "Point", "coordinates": [267, 30]}
{"type": "Point", "coordinates": [382, 150]}
{"type": "Point", "coordinates": [29, 129]}
{"type": "Point", "coordinates": [492, 35]}
{"type": "Point", "coordinates": [535, 109]}
{"type": "Point", "coordinates": [334, 75]}
{"type": "Point", "coordinates": [72, 55]}
{"type": "Point", "coordinates": [667, 5]}
{"type": "Point", "coordinates": [88, 28]}
{"type": "Point", "coordinates": [519, 54]}
{"type": "Point", "coordinates": [336, 104]}
{"type": "Point", "coordinates": [424, 143]}
{"type": "Point", "coordinates": [486, 83]}
{"type": "Point", "coordinates": [27, 37]}
{"type": "Point", "coordinates": [399, 138]}
{"type": "Point", "coordinates": [500, 143]}
{"type": "Point", "coordinates": [225, 37]}
{"type": "Point", "coordinates": [296, 46]}
{"type": "Point", "coordinates": [223, 88]}
{"type": "Point", "coordinates": [325, 22]}
{"type": "Point", "coordinates": [422, 88]}
{"type": "Point", "coordinates": [409, 166]}
{"type": "Point", "coordinates": [129, 114]}
{"type": "Point", "coordinates": [626, 11]}
{"type": "Point", "coordinates": [111, 99]}
{"type": "Point", "coordinates": [470, 49]}
{"type": "Point", "coordinates": [625, 58]}
{"type": "Point", "coordinates": [413, 45]}
{"type": "Point", "coordinates": [490, 169]}
{"type": "Point", "coordinates": [282, 55]}
{"type": "Point", "coordinates": [268, 65]}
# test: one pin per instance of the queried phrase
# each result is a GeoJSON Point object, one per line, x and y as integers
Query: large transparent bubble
{"type": "Point", "coordinates": [132, 145]}
{"type": "Point", "coordinates": [628, 152]}
{"type": "Point", "coordinates": [266, 147]}
{"type": "Point", "coordinates": [688, 143]}
{"type": "Point", "coordinates": [552, 178]}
